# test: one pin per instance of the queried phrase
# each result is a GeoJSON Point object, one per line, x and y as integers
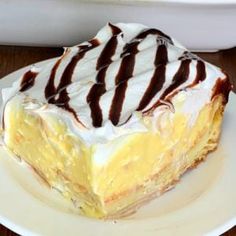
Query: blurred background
{"type": "Point", "coordinates": [206, 25]}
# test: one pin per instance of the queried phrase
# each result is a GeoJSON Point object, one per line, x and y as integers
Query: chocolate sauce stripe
{"type": "Point", "coordinates": [99, 88]}
{"type": "Point", "coordinates": [158, 78]}
{"type": "Point", "coordinates": [161, 55]}
{"type": "Point", "coordinates": [115, 30]}
{"type": "Point", "coordinates": [153, 31]}
{"type": "Point", "coordinates": [93, 99]}
{"type": "Point", "coordinates": [180, 77]}
{"type": "Point", "coordinates": [28, 80]}
{"type": "Point", "coordinates": [126, 71]}
{"type": "Point", "coordinates": [200, 76]}
{"type": "Point", "coordinates": [154, 87]}
{"type": "Point", "coordinates": [201, 72]}
{"type": "Point", "coordinates": [117, 102]}
{"type": "Point", "coordinates": [50, 89]}
{"type": "Point", "coordinates": [108, 51]}
{"type": "Point", "coordinates": [66, 79]}
{"type": "Point", "coordinates": [222, 87]}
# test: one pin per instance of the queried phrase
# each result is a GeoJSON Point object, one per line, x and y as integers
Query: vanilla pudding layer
{"type": "Point", "coordinates": [140, 165]}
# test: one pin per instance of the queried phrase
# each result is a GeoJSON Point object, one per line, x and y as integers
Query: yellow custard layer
{"type": "Point", "coordinates": [139, 166]}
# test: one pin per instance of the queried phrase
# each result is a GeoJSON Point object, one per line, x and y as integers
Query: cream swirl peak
{"type": "Point", "coordinates": [124, 69]}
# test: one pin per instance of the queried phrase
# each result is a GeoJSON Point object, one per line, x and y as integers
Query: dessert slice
{"type": "Point", "coordinates": [117, 120]}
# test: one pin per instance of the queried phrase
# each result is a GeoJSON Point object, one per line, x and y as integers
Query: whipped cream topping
{"type": "Point", "coordinates": [110, 82]}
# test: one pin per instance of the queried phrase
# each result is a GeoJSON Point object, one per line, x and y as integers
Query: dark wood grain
{"type": "Point", "coordinates": [13, 58]}
{"type": "Point", "coordinates": [226, 59]}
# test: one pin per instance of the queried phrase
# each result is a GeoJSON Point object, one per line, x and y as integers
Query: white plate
{"type": "Point", "coordinates": [203, 203]}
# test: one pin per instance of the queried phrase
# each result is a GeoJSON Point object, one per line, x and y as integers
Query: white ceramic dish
{"type": "Point", "coordinates": [198, 24]}
{"type": "Point", "coordinates": [203, 203]}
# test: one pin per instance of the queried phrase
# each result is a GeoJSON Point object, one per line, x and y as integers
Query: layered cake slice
{"type": "Point", "coordinates": [116, 120]}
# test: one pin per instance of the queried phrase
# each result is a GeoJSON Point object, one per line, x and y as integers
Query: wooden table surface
{"type": "Point", "coordinates": [13, 58]}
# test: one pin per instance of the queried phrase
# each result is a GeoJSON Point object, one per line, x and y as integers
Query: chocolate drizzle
{"type": "Point", "coordinates": [50, 89]}
{"type": "Point", "coordinates": [121, 80]}
{"type": "Point", "coordinates": [117, 102]}
{"type": "Point", "coordinates": [93, 98]}
{"type": "Point", "coordinates": [158, 78]}
{"type": "Point", "coordinates": [180, 77]}
{"type": "Point", "coordinates": [222, 87]}
{"type": "Point", "coordinates": [161, 56]}
{"type": "Point", "coordinates": [152, 31]}
{"type": "Point", "coordinates": [66, 79]}
{"type": "Point", "coordinates": [201, 72]}
{"type": "Point", "coordinates": [115, 30]}
{"type": "Point", "coordinates": [28, 80]}
{"type": "Point", "coordinates": [99, 88]}
{"type": "Point", "coordinates": [159, 88]}
{"type": "Point", "coordinates": [154, 87]}
{"type": "Point", "coordinates": [125, 72]}
{"type": "Point", "coordinates": [188, 55]}
{"type": "Point", "coordinates": [109, 49]}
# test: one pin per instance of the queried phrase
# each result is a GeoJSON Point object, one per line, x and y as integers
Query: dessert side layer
{"type": "Point", "coordinates": [116, 120]}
